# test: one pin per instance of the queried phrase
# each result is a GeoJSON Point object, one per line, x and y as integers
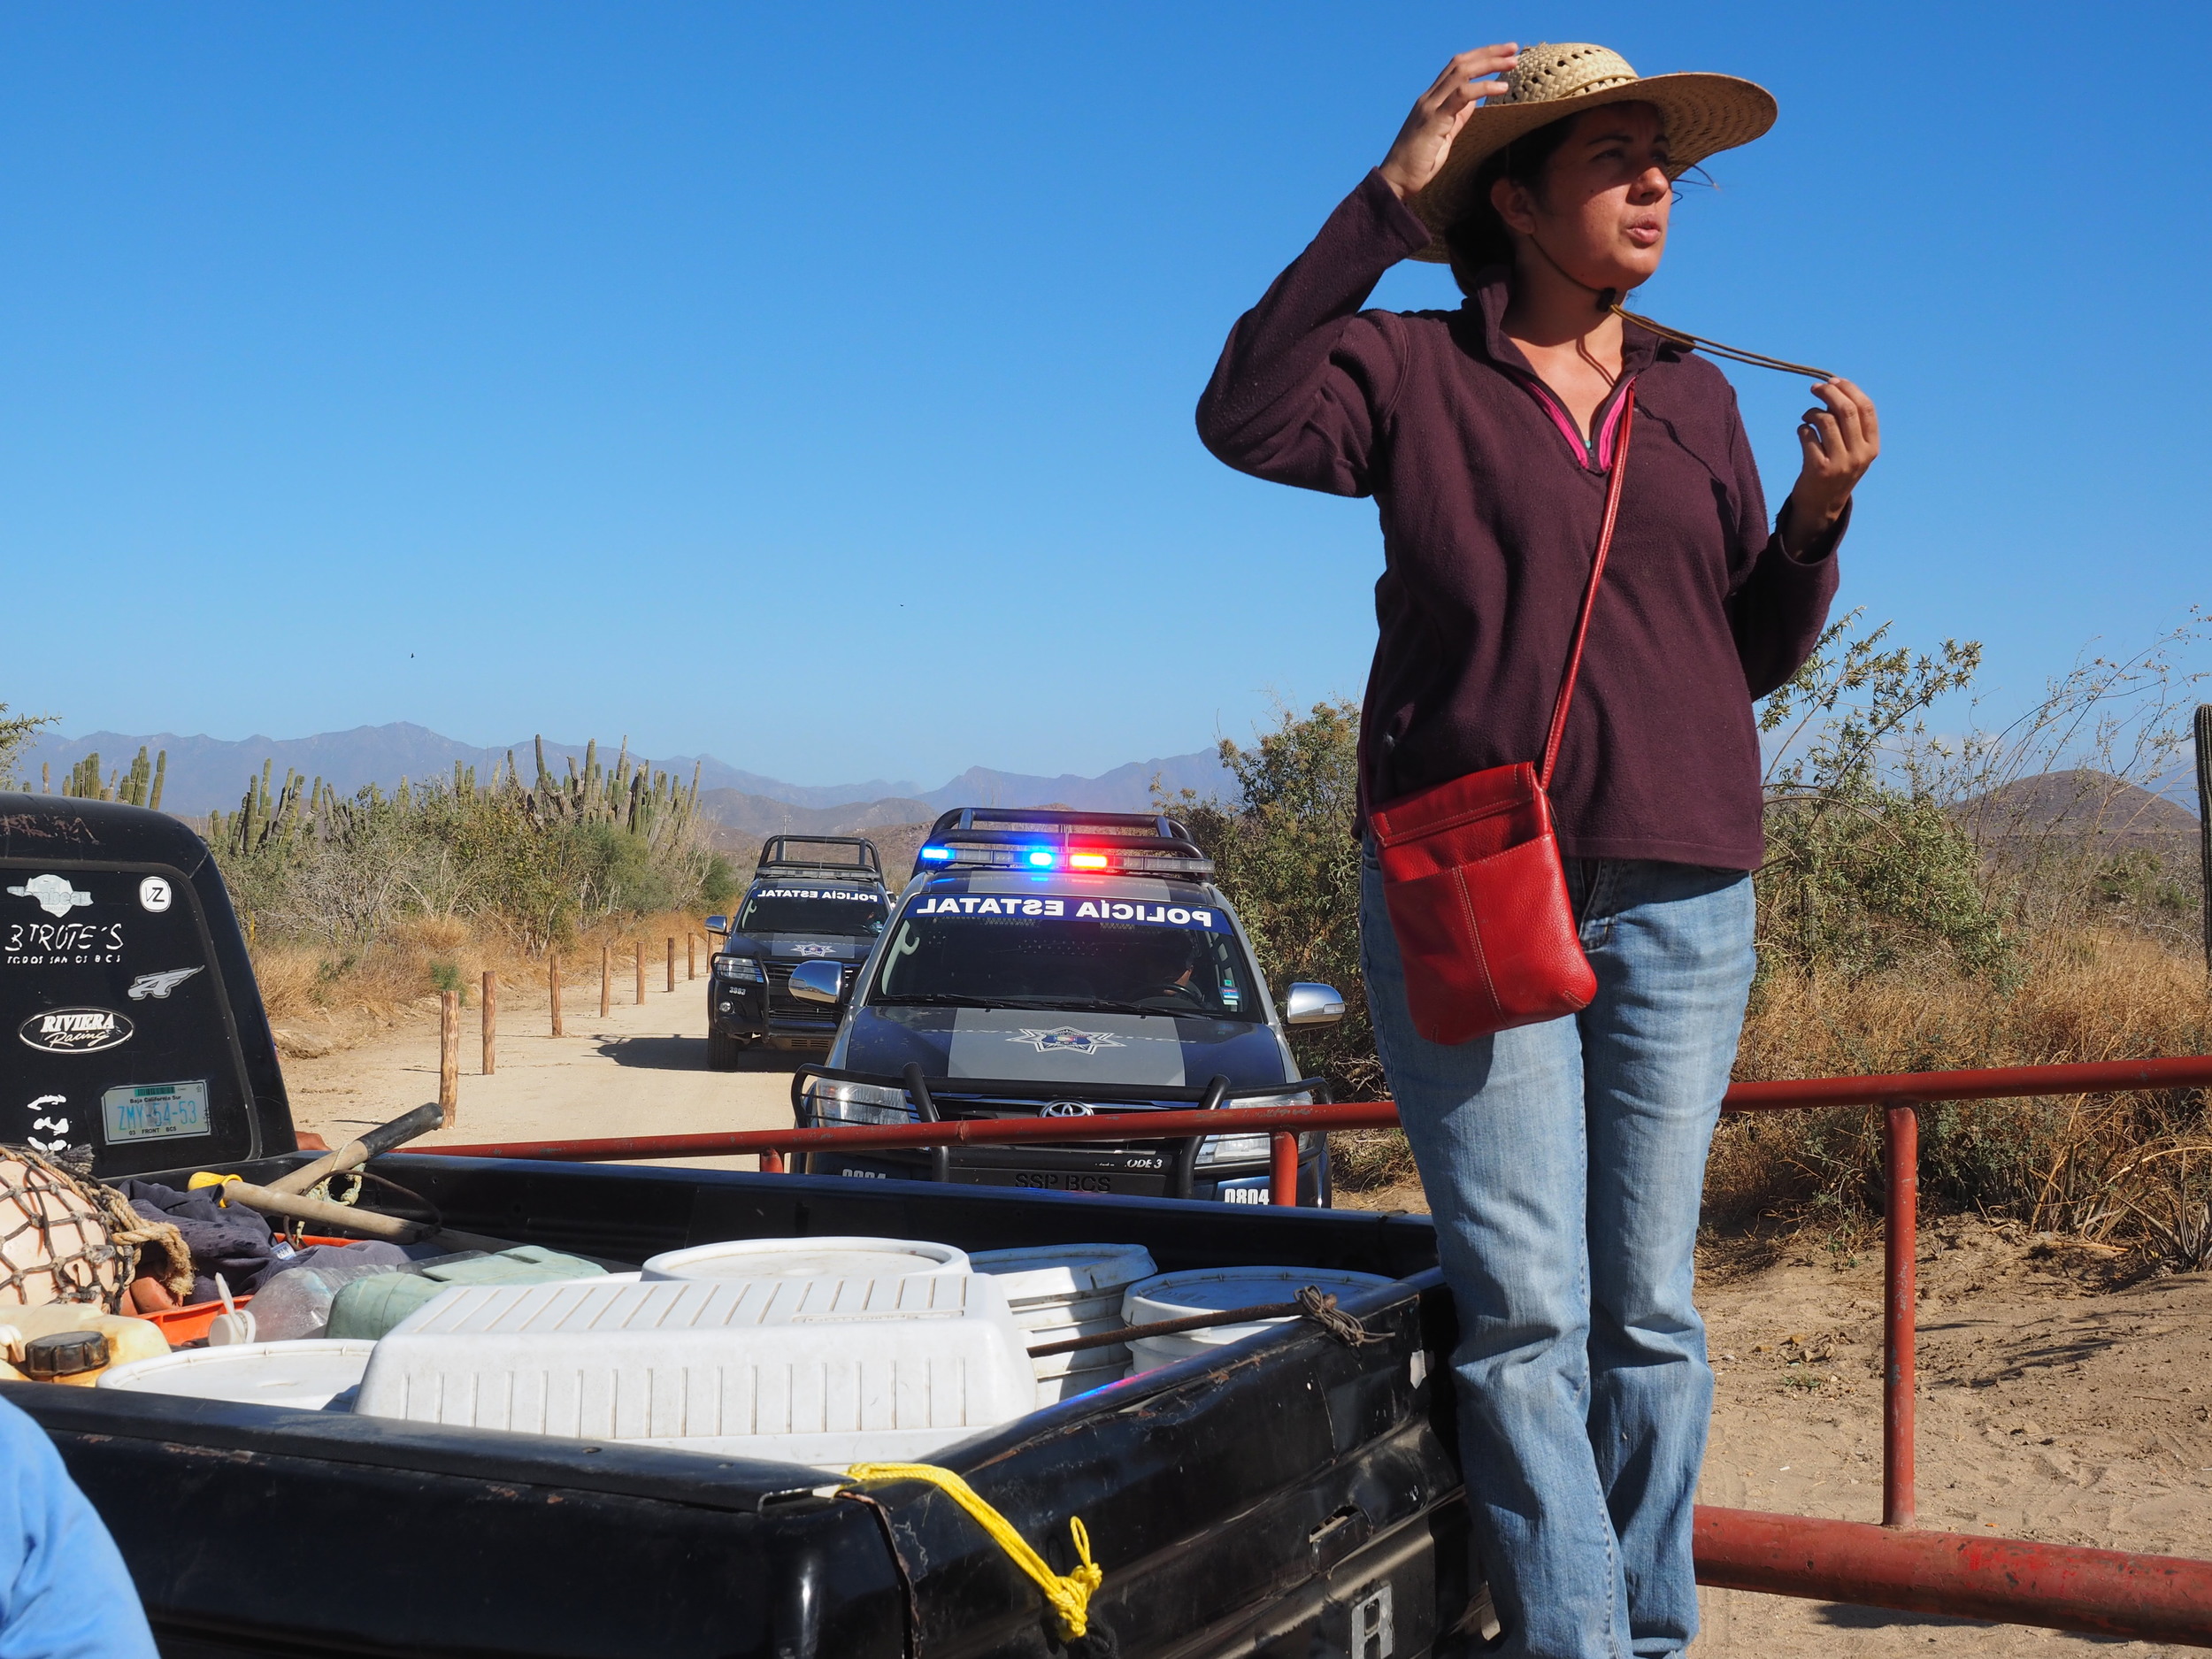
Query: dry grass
{"type": "Point", "coordinates": [320, 1004]}
{"type": "Point", "coordinates": [2133, 1170]}
{"type": "Point", "coordinates": [2080, 996]}
{"type": "Point", "coordinates": [2081, 1166]}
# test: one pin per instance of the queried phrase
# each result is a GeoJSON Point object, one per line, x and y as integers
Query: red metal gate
{"type": "Point", "coordinates": [2151, 1598]}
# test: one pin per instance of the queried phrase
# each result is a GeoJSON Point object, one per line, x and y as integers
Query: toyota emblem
{"type": "Point", "coordinates": [1068, 1108]}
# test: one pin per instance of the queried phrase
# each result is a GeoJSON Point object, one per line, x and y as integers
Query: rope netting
{"type": "Point", "coordinates": [67, 1238]}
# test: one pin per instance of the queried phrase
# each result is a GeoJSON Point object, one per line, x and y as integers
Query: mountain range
{"type": "Point", "coordinates": [205, 772]}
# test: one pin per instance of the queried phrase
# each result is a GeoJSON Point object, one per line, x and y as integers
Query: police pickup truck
{"type": "Point", "coordinates": [1058, 963]}
{"type": "Point", "coordinates": [813, 898]}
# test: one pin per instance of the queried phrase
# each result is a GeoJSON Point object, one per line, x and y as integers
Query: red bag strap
{"type": "Point", "coordinates": [1590, 593]}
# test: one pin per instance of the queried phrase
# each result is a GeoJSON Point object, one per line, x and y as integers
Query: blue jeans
{"type": "Point", "coordinates": [1564, 1164]}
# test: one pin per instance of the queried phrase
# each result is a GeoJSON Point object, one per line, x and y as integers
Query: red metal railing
{"type": "Point", "coordinates": [2153, 1598]}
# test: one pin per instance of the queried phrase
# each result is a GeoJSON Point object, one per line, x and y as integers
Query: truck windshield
{"type": "Point", "coordinates": [805, 910]}
{"type": "Point", "coordinates": [1068, 950]}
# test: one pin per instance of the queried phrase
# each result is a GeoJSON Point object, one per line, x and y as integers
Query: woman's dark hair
{"type": "Point", "coordinates": [1479, 237]}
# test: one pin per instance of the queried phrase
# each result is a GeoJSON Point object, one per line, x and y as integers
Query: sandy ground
{"type": "Point", "coordinates": [2060, 1399]}
{"type": "Point", "coordinates": [639, 1070]}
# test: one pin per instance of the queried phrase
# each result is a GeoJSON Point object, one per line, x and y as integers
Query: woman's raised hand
{"type": "Point", "coordinates": [1840, 442]}
{"type": "Point", "coordinates": [1425, 139]}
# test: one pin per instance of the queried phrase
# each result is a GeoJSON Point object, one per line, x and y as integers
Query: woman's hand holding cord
{"type": "Point", "coordinates": [1840, 442]}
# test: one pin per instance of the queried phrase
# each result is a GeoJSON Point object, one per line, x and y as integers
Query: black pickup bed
{"type": "Point", "coordinates": [1286, 1496]}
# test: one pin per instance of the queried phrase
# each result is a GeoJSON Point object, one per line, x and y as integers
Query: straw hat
{"type": "Point", "coordinates": [1704, 114]}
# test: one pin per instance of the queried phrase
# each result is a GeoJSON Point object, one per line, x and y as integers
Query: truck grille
{"type": "Point", "coordinates": [952, 1105]}
{"type": "Point", "coordinates": [785, 1007]}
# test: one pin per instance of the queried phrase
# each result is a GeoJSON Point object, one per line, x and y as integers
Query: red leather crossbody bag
{"type": "Point", "coordinates": [1477, 892]}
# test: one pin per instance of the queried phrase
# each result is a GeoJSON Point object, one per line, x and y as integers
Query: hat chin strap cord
{"type": "Point", "coordinates": [1609, 301]}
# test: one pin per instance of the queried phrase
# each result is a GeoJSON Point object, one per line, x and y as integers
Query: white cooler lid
{"type": "Point", "coordinates": [808, 1258]}
{"type": "Point", "coordinates": [304, 1376]}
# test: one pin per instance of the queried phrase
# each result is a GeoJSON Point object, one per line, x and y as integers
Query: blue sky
{"type": "Point", "coordinates": [812, 386]}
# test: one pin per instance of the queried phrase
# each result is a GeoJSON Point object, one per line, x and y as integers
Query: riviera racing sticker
{"type": "Point", "coordinates": [75, 1030]}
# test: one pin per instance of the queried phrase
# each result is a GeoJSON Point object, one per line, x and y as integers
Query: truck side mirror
{"type": "Point", "coordinates": [1309, 1004]}
{"type": "Point", "coordinates": [717, 923]}
{"type": "Point", "coordinates": [819, 982]}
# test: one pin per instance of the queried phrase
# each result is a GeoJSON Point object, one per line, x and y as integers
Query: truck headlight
{"type": "Point", "coordinates": [1219, 1149]}
{"type": "Point", "coordinates": [832, 1102]}
{"type": "Point", "coordinates": [1215, 1150]}
{"type": "Point", "coordinates": [743, 968]}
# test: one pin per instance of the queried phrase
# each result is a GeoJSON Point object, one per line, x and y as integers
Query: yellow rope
{"type": "Point", "coordinates": [1069, 1595]}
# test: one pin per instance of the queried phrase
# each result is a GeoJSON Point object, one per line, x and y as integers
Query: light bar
{"type": "Point", "coordinates": [1091, 862]}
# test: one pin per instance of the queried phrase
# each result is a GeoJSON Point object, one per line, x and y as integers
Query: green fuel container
{"type": "Point", "coordinates": [368, 1308]}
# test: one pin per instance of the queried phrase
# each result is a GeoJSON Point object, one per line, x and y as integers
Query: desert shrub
{"type": "Point", "coordinates": [1988, 899]}
{"type": "Point", "coordinates": [1287, 858]}
{"type": "Point", "coordinates": [539, 862]}
{"type": "Point", "coordinates": [18, 732]}
{"type": "Point", "coordinates": [1866, 869]}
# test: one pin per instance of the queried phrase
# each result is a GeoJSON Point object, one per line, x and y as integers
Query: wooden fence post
{"type": "Point", "coordinates": [448, 1056]}
{"type": "Point", "coordinates": [640, 972]}
{"type": "Point", "coordinates": [691, 956]}
{"type": "Point", "coordinates": [671, 962]}
{"type": "Point", "coordinates": [491, 1021]}
{"type": "Point", "coordinates": [553, 987]}
{"type": "Point", "coordinates": [2204, 818]}
{"type": "Point", "coordinates": [606, 980]}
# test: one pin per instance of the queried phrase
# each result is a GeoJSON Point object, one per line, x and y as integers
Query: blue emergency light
{"type": "Point", "coordinates": [937, 855]}
{"type": "Point", "coordinates": [1040, 858]}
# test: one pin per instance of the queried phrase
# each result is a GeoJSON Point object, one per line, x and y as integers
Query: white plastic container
{"type": "Point", "coordinates": [808, 1258]}
{"type": "Point", "coordinates": [1214, 1290]}
{"type": "Point", "coordinates": [129, 1339]}
{"type": "Point", "coordinates": [1065, 1273]}
{"type": "Point", "coordinates": [1075, 1359]}
{"type": "Point", "coordinates": [1038, 1316]}
{"type": "Point", "coordinates": [821, 1371]}
{"type": "Point", "coordinates": [1059, 1292]}
{"type": "Point", "coordinates": [302, 1375]}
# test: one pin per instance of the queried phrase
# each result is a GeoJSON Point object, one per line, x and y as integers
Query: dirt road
{"type": "Point", "coordinates": [641, 1069]}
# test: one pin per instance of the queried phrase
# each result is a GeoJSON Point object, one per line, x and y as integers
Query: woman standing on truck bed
{"type": "Point", "coordinates": [1562, 1160]}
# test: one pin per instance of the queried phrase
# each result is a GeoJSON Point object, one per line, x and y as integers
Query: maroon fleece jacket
{"type": "Point", "coordinates": [1490, 515]}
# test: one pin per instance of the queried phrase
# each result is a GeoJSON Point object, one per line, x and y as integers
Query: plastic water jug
{"type": "Point", "coordinates": [125, 1339]}
{"type": "Point", "coordinates": [367, 1308]}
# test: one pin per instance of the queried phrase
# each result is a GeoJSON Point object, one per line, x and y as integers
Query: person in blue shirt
{"type": "Point", "coordinates": [63, 1593]}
